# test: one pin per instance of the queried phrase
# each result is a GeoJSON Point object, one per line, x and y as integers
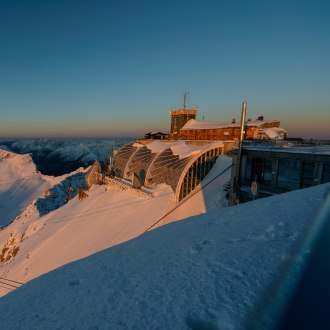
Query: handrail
{"type": "Point", "coordinates": [12, 285]}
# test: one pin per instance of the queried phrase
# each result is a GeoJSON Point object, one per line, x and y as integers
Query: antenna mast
{"type": "Point", "coordinates": [185, 99]}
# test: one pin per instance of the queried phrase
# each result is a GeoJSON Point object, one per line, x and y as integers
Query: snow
{"type": "Point", "coordinates": [206, 272]}
{"type": "Point", "coordinates": [48, 233]}
{"type": "Point", "coordinates": [157, 146]}
{"type": "Point", "coordinates": [137, 145]}
{"type": "Point", "coordinates": [107, 217]}
{"type": "Point", "coordinates": [179, 148]}
{"type": "Point", "coordinates": [195, 124]}
{"type": "Point", "coordinates": [20, 184]}
{"type": "Point", "coordinates": [184, 150]}
{"type": "Point", "coordinates": [274, 133]}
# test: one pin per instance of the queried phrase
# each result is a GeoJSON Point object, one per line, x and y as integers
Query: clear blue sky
{"type": "Point", "coordinates": [89, 67]}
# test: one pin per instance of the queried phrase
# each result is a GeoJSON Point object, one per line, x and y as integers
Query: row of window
{"type": "Point", "coordinates": [287, 174]}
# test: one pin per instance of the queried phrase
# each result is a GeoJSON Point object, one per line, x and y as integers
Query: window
{"type": "Point", "coordinates": [198, 171]}
{"type": "Point", "coordinates": [308, 170]}
{"type": "Point", "coordinates": [267, 173]}
{"type": "Point", "coordinates": [326, 173]}
{"type": "Point", "coordinates": [288, 174]}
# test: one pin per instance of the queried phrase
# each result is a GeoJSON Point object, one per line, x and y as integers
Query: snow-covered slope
{"type": "Point", "coordinates": [38, 241]}
{"type": "Point", "coordinates": [20, 184]}
{"type": "Point", "coordinates": [206, 272]}
{"type": "Point", "coordinates": [109, 216]}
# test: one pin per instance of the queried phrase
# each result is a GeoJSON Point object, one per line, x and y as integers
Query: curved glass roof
{"type": "Point", "coordinates": [178, 164]}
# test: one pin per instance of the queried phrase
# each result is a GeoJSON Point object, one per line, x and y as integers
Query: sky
{"type": "Point", "coordinates": [116, 68]}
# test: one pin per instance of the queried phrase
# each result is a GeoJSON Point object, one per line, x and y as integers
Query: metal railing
{"type": "Point", "coordinates": [9, 284]}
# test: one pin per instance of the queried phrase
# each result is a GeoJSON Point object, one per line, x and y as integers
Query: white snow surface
{"type": "Point", "coordinates": [20, 184]}
{"type": "Point", "coordinates": [206, 272]}
{"type": "Point", "coordinates": [110, 215]}
{"type": "Point", "coordinates": [274, 132]}
{"type": "Point", "coordinates": [179, 148]}
{"type": "Point", "coordinates": [107, 217]}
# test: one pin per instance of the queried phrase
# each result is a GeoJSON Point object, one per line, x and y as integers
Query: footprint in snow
{"type": "Point", "coordinates": [74, 282]}
{"type": "Point", "coordinates": [200, 245]}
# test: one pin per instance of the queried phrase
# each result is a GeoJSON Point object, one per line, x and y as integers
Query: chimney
{"type": "Point", "coordinates": [233, 121]}
{"type": "Point", "coordinates": [261, 118]}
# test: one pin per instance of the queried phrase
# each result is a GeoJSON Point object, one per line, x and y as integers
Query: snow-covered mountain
{"type": "Point", "coordinates": [58, 156]}
{"type": "Point", "coordinates": [206, 272]}
{"type": "Point", "coordinates": [49, 233]}
{"type": "Point", "coordinates": [20, 184]}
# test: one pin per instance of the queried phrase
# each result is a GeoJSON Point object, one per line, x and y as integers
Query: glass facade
{"type": "Point", "coordinates": [139, 161]}
{"type": "Point", "coordinates": [165, 166]}
{"type": "Point", "coordinates": [122, 157]}
{"type": "Point", "coordinates": [280, 170]}
{"type": "Point", "coordinates": [258, 169]}
{"type": "Point", "coordinates": [308, 174]}
{"type": "Point", "coordinates": [288, 174]}
{"type": "Point", "coordinates": [326, 173]}
{"type": "Point", "coordinates": [198, 171]}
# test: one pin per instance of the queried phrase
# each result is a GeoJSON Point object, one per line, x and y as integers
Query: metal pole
{"type": "Point", "coordinates": [241, 138]}
{"type": "Point", "coordinates": [185, 99]}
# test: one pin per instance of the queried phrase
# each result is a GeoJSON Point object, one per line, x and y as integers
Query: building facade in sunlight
{"type": "Point", "coordinates": [259, 129]}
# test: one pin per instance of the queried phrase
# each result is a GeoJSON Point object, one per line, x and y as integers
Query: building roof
{"type": "Point", "coordinates": [155, 133]}
{"type": "Point", "coordinates": [179, 148]}
{"type": "Point", "coordinates": [290, 148]}
{"type": "Point", "coordinates": [195, 124]}
{"type": "Point", "coordinates": [191, 111]}
{"type": "Point", "coordinates": [162, 162]}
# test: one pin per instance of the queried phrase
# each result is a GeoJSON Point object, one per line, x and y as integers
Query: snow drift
{"type": "Point", "coordinates": [206, 272]}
